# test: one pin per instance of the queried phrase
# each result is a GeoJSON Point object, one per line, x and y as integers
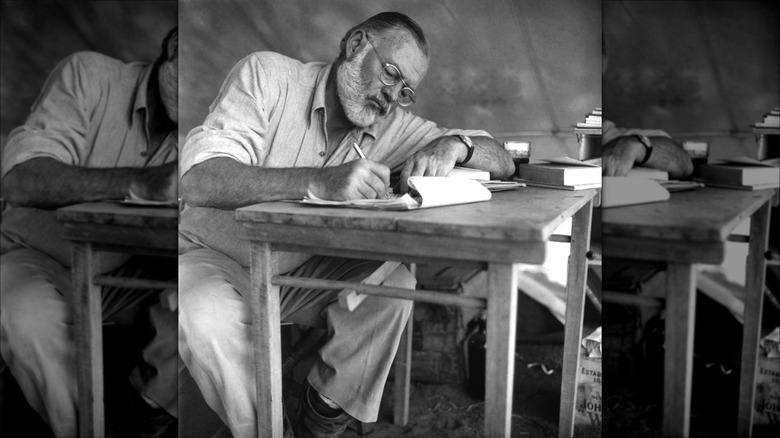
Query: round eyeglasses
{"type": "Point", "coordinates": [391, 75]}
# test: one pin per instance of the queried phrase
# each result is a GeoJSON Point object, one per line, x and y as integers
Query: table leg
{"type": "Point", "coordinates": [575, 307]}
{"type": "Point", "coordinates": [754, 299]}
{"type": "Point", "coordinates": [266, 331]}
{"type": "Point", "coordinates": [678, 357]}
{"type": "Point", "coordinates": [500, 363]}
{"type": "Point", "coordinates": [89, 341]}
{"type": "Point", "coordinates": [403, 374]}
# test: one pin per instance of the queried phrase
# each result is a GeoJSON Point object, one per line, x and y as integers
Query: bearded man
{"type": "Point", "coordinates": [280, 129]}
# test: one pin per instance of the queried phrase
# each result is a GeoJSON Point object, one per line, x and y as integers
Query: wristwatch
{"type": "Point", "coordinates": [648, 147]}
{"type": "Point", "coordinates": [469, 145]}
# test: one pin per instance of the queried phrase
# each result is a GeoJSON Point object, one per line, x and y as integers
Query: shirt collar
{"type": "Point", "coordinates": [318, 101]}
{"type": "Point", "coordinates": [141, 91]}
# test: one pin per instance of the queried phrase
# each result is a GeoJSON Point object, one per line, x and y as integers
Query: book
{"type": "Point", "coordinates": [748, 187]}
{"type": "Point", "coordinates": [620, 191]}
{"type": "Point", "coordinates": [562, 171]}
{"type": "Point", "coordinates": [648, 173]}
{"type": "Point", "coordinates": [559, 186]}
{"type": "Point", "coordinates": [426, 192]}
{"type": "Point", "coordinates": [501, 186]}
{"type": "Point", "coordinates": [680, 186]}
{"type": "Point", "coordinates": [739, 171]}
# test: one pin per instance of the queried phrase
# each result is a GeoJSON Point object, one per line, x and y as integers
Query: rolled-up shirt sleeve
{"type": "Point", "coordinates": [59, 120]}
{"type": "Point", "coordinates": [610, 132]}
{"type": "Point", "coordinates": [237, 123]}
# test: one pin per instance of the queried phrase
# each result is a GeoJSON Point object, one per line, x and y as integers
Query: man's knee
{"type": "Point", "coordinates": [32, 310]}
{"type": "Point", "coordinates": [208, 303]}
{"type": "Point", "coordinates": [400, 278]}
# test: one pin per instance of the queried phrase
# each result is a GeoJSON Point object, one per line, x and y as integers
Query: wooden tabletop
{"type": "Point", "coordinates": [706, 214]}
{"type": "Point", "coordinates": [525, 214]}
{"type": "Point", "coordinates": [147, 230]}
{"type": "Point", "coordinates": [114, 213]}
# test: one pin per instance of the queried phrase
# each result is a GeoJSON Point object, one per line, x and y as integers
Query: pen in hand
{"type": "Point", "coordinates": [358, 150]}
{"type": "Point", "coordinates": [360, 153]}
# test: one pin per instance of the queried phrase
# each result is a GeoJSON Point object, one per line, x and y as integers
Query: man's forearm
{"type": "Point", "coordinates": [668, 155]}
{"type": "Point", "coordinates": [48, 183]}
{"type": "Point", "coordinates": [227, 184]}
{"type": "Point", "coordinates": [489, 155]}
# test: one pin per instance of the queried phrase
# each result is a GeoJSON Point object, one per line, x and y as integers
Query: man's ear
{"type": "Point", "coordinates": [355, 43]}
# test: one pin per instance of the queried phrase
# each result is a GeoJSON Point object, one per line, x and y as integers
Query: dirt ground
{"type": "Point", "coordinates": [448, 411]}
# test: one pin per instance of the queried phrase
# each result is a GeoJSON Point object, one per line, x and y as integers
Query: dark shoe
{"type": "Point", "coordinates": [313, 424]}
{"type": "Point", "coordinates": [145, 421]}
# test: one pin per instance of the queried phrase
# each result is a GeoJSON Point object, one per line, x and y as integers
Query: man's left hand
{"type": "Point", "coordinates": [436, 159]}
{"type": "Point", "coordinates": [619, 156]}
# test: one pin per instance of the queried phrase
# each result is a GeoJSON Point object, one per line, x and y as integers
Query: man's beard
{"type": "Point", "coordinates": [353, 92]}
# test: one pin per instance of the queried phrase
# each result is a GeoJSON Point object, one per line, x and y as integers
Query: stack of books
{"type": "Point", "coordinates": [591, 125]}
{"type": "Point", "coordinates": [741, 173]}
{"type": "Point", "coordinates": [560, 173]}
{"type": "Point", "coordinates": [770, 124]}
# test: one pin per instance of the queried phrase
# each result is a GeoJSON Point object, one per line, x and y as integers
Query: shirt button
{"type": "Point", "coordinates": [322, 153]}
{"type": "Point", "coordinates": [143, 154]}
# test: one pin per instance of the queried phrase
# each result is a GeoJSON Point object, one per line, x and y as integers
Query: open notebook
{"type": "Point", "coordinates": [427, 192]}
{"type": "Point", "coordinates": [617, 191]}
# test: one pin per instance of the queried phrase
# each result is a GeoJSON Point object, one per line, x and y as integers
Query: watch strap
{"type": "Point", "coordinates": [469, 146]}
{"type": "Point", "coordinates": [648, 148]}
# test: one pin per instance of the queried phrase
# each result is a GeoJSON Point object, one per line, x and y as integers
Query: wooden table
{"type": "Point", "coordinates": [111, 227]}
{"type": "Point", "coordinates": [511, 228]}
{"type": "Point", "coordinates": [693, 227]}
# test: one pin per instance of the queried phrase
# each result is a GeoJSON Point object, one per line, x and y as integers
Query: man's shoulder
{"type": "Point", "coordinates": [282, 66]}
{"type": "Point", "coordinates": [95, 60]}
{"type": "Point", "coordinates": [99, 65]}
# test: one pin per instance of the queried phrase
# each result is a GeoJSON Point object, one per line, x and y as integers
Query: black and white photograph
{"type": "Point", "coordinates": [389, 219]}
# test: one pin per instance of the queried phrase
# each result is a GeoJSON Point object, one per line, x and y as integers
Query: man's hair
{"type": "Point", "coordinates": [173, 33]}
{"type": "Point", "coordinates": [383, 22]}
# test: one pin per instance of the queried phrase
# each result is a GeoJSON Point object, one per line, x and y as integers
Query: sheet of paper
{"type": "Point", "coordinates": [394, 202]}
{"type": "Point", "coordinates": [433, 191]}
{"type": "Point", "coordinates": [133, 199]}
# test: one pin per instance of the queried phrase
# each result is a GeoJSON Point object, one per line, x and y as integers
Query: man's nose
{"type": "Point", "coordinates": [391, 92]}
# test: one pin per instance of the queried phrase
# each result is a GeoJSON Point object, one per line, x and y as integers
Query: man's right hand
{"type": "Point", "coordinates": [157, 183]}
{"type": "Point", "coordinates": [359, 179]}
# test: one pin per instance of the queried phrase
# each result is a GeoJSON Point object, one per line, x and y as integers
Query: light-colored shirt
{"type": "Point", "coordinates": [270, 112]}
{"type": "Point", "coordinates": [92, 112]}
{"type": "Point", "coordinates": [610, 132]}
